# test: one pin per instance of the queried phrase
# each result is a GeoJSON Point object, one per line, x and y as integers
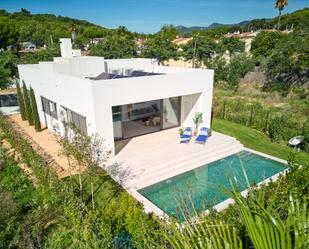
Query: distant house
{"type": "Point", "coordinates": [140, 44]}
{"type": "Point", "coordinates": [29, 46]}
{"type": "Point", "coordinates": [248, 37]}
{"type": "Point", "coordinates": [181, 41]}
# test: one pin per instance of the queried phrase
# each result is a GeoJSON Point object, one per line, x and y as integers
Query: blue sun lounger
{"type": "Point", "coordinates": [203, 136]}
{"type": "Point", "coordinates": [186, 136]}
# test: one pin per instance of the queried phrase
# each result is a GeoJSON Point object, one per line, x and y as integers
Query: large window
{"type": "Point", "coordinates": [49, 107]}
{"type": "Point", "coordinates": [140, 118]}
{"type": "Point", "coordinates": [78, 120]}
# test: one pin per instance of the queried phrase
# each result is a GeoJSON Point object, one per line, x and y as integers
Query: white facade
{"type": "Point", "coordinates": [69, 82]}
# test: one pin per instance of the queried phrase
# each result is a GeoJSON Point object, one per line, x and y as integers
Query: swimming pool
{"type": "Point", "coordinates": [196, 190]}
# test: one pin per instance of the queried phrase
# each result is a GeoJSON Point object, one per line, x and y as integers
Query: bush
{"type": "Point", "coordinates": [28, 109]}
{"type": "Point", "coordinates": [36, 118]}
{"type": "Point", "coordinates": [275, 129]}
{"type": "Point", "coordinates": [305, 133]}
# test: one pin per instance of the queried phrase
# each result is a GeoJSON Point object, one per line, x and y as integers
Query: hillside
{"type": "Point", "coordinates": [298, 19]}
{"type": "Point", "coordinates": [45, 28]}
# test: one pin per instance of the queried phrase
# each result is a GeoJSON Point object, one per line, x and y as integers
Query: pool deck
{"type": "Point", "coordinates": [155, 157]}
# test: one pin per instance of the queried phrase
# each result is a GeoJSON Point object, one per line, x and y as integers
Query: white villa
{"type": "Point", "coordinates": [117, 99]}
{"type": "Point", "coordinates": [137, 107]}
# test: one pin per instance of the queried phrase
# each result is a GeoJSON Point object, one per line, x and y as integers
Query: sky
{"type": "Point", "coordinates": [148, 16]}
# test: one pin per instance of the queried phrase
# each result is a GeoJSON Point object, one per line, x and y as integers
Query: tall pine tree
{"type": "Point", "coordinates": [35, 113]}
{"type": "Point", "coordinates": [28, 108]}
{"type": "Point", "coordinates": [21, 102]}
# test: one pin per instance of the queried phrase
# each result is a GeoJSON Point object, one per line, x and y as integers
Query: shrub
{"type": "Point", "coordinates": [36, 118]}
{"type": "Point", "coordinates": [28, 109]}
{"type": "Point", "coordinates": [21, 101]}
{"type": "Point", "coordinates": [275, 129]}
{"type": "Point", "coordinates": [306, 135]}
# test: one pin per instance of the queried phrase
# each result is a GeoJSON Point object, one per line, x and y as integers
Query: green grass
{"type": "Point", "coordinates": [256, 140]}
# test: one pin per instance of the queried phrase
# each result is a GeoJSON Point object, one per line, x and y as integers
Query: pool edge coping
{"type": "Point", "coordinates": [150, 207]}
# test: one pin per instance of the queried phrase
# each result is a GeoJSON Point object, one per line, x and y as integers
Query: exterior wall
{"type": "Point", "coordinates": [79, 66]}
{"type": "Point", "coordinates": [73, 93]}
{"type": "Point", "coordinates": [94, 98]}
{"type": "Point", "coordinates": [108, 93]}
{"type": "Point", "coordinates": [147, 65]}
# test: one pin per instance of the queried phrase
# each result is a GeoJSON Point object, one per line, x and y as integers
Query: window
{"type": "Point", "coordinates": [78, 120]}
{"type": "Point", "coordinates": [49, 107]}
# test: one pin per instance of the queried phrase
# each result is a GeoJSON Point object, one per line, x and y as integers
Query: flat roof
{"type": "Point", "coordinates": [135, 73]}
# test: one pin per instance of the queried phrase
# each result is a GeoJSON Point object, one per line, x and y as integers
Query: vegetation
{"type": "Point", "coordinates": [35, 113]}
{"type": "Point", "coordinates": [28, 109]}
{"type": "Point", "coordinates": [264, 43]}
{"type": "Point", "coordinates": [21, 101]}
{"type": "Point", "coordinates": [288, 65]}
{"type": "Point", "coordinates": [257, 140]}
{"type": "Point", "coordinates": [7, 69]}
{"type": "Point", "coordinates": [159, 46]}
{"type": "Point", "coordinates": [228, 75]}
{"type": "Point", "coordinates": [120, 44]}
{"type": "Point", "coordinates": [90, 210]}
{"type": "Point", "coordinates": [46, 29]}
{"type": "Point", "coordinates": [280, 5]}
{"type": "Point", "coordinates": [9, 32]}
{"type": "Point", "coordinates": [57, 219]}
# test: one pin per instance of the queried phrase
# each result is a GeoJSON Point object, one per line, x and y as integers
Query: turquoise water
{"type": "Point", "coordinates": [209, 185]}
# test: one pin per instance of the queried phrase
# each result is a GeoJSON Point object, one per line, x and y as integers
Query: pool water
{"type": "Point", "coordinates": [196, 190]}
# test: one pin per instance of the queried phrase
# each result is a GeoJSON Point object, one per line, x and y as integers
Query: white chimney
{"type": "Point", "coordinates": [66, 48]}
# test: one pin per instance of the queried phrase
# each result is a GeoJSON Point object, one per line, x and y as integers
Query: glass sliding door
{"type": "Point", "coordinates": [141, 118]}
{"type": "Point", "coordinates": [171, 112]}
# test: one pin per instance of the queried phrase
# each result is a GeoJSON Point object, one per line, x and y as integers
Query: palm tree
{"type": "Point", "coordinates": [280, 5]}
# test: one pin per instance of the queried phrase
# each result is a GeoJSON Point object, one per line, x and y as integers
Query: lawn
{"type": "Point", "coordinates": [256, 140]}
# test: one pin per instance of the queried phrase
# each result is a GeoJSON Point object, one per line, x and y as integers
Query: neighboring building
{"type": "Point", "coordinates": [117, 99]}
{"type": "Point", "coordinates": [140, 44]}
{"type": "Point", "coordinates": [29, 46]}
{"type": "Point", "coordinates": [248, 37]}
{"type": "Point", "coordinates": [181, 40]}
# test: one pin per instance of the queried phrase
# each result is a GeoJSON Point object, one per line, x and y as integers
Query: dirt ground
{"type": "Point", "coordinates": [45, 143]}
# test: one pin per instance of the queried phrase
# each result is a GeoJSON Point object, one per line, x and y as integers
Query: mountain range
{"type": "Point", "coordinates": [184, 29]}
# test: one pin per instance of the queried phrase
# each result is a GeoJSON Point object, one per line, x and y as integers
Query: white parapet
{"type": "Point", "coordinates": [66, 48]}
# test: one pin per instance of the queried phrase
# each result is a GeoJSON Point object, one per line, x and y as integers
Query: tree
{"type": "Point", "coordinates": [8, 32]}
{"type": "Point", "coordinates": [115, 47]}
{"type": "Point", "coordinates": [93, 32]}
{"type": "Point", "coordinates": [280, 5]}
{"type": "Point", "coordinates": [159, 45]}
{"type": "Point", "coordinates": [288, 65]}
{"type": "Point", "coordinates": [199, 49]}
{"type": "Point", "coordinates": [169, 32]}
{"type": "Point", "coordinates": [231, 44]}
{"type": "Point", "coordinates": [28, 109]}
{"type": "Point", "coordinates": [21, 101]}
{"type": "Point", "coordinates": [35, 113]}
{"type": "Point", "coordinates": [161, 48]}
{"type": "Point", "coordinates": [264, 43]}
{"type": "Point", "coordinates": [229, 75]}
{"type": "Point", "coordinates": [8, 69]}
